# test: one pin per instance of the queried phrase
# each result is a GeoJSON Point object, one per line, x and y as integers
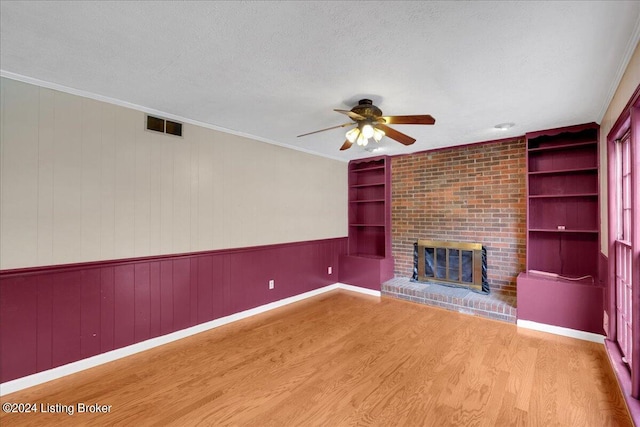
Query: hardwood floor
{"type": "Point", "coordinates": [347, 359]}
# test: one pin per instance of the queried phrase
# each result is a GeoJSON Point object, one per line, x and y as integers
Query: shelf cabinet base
{"type": "Point", "coordinates": [367, 272]}
{"type": "Point", "coordinates": [558, 302]}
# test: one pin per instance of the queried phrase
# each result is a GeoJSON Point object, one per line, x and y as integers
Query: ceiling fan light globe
{"type": "Point", "coordinates": [378, 134]}
{"type": "Point", "coordinates": [352, 135]}
{"type": "Point", "coordinates": [367, 131]}
{"type": "Point", "coordinates": [361, 140]}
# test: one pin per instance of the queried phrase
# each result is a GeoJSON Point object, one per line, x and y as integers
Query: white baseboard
{"type": "Point", "coordinates": [559, 330]}
{"type": "Point", "coordinates": [90, 362]}
{"type": "Point", "coordinates": [358, 289]}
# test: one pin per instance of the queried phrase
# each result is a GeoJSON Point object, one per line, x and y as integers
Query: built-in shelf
{"type": "Point", "coordinates": [368, 261]}
{"type": "Point", "coordinates": [563, 191]}
{"type": "Point", "coordinates": [563, 229]}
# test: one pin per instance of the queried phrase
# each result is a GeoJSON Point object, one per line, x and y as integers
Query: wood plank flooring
{"type": "Point", "coordinates": [347, 359]}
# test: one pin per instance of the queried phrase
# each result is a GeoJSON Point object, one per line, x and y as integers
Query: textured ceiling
{"type": "Point", "coordinates": [273, 70]}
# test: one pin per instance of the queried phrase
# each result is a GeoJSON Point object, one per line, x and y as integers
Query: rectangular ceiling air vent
{"type": "Point", "coordinates": [174, 128]}
{"type": "Point", "coordinates": [157, 124]}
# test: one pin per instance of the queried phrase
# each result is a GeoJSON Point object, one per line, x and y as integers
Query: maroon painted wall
{"type": "Point", "coordinates": [51, 316]}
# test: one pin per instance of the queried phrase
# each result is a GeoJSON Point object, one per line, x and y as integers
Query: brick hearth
{"type": "Point", "coordinates": [492, 306]}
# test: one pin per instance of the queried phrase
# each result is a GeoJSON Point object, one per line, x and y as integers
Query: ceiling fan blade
{"type": "Point", "coordinates": [394, 134]}
{"type": "Point", "coordinates": [346, 145]}
{"type": "Point", "coordinates": [322, 130]}
{"type": "Point", "coordinates": [424, 119]}
{"type": "Point", "coordinates": [354, 116]}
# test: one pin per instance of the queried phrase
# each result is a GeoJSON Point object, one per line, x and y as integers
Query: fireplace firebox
{"type": "Point", "coordinates": [453, 263]}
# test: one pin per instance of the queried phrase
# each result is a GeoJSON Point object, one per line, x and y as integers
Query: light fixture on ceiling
{"type": "Point", "coordinates": [352, 135]}
{"type": "Point", "coordinates": [363, 133]}
{"type": "Point", "coordinates": [378, 134]}
{"type": "Point", "coordinates": [504, 126]}
{"type": "Point", "coordinates": [367, 131]}
{"type": "Point", "coordinates": [370, 123]}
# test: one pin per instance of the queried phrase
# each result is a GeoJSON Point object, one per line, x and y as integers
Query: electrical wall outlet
{"type": "Point", "coordinates": [329, 270]}
{"type": "Point", "coordinates": [272, 284]}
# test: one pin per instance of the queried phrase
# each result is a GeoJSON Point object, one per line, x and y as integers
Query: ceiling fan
{"type": "Point", "coordinates": [370, 123]}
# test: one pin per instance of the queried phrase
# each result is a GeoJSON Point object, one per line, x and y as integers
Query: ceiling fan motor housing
{"type": "Point", "coordinates": [366, 109]}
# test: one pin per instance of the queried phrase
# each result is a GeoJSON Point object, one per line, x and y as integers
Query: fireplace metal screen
{"type": "Point", "coordinates": [452, 262]}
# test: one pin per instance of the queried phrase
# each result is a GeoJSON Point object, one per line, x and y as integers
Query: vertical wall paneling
{"type": "Point", "coordinates": [107, 309]}
{"type": "Point", "coordinates": [166, 194]}
{"type": "Point", "coordinates": [53, 316]}
{"type": "Point", "coordinates": [220, 218]}
{"type": "Point", "coordinates": [125, 175]}
{"type": "Point", "coordinates": [19, 185]}
{"type": "Point", "coordinates": [166, 297]}
{"type": "Point", "coordinates": [234, 172]}
{"type": "Point", "coordinates": [91, 179]}
{"type": "Point", "coordinates": [205, 196]}
{"type": "Point", "coordinates": [82, 180]}
{"type": "Point", "coordinates": [107, 182]}
{"type": "Point", "coordinates": [67, 179]}
{"type": "Point", "coordinates": [205, 289]}
{"type": "Point", "coordinates": [154, 299]}
{"type": "Point", "coordinates": [46, 126]}
{"type": "Point", "coordinates": [218, 285]}
{"type": "Point", "coordinates": [193, 291]}
{"type": "Point", "coordinates": [156, 173]}
{"type": "Point", "coordinates": [181, 225]}
{"type": "Point", "coordinates": [18, 322]}
{"type": "Point", "coordinates": [142, 292]}
{"type": "Point", "coordinates": [124, 305]}
{"type": "Point", "coordinates": [226, 286]}
{"type": "Point", "coordinates": [181, 293]}
{"type": "Point", "coordinates": [90, 294]}
{"type": "Point", "coordinates": [66, 317]}
{"type": "Point", "coordinates": [194, 193]}
{"type": "Point", "coordinates": [44, 323]}
{"type": "Point", "coordinates": [142, 198]}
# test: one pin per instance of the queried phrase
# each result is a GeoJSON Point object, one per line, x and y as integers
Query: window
{"type": "Point", "coordinates": [623, 152]}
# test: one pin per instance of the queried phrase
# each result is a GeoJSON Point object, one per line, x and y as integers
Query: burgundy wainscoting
{"type": "Point", "coordinates": [51, 316]}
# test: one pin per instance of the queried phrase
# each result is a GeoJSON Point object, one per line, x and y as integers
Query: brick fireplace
{"type": "Point", "coordinates": [473, 193]}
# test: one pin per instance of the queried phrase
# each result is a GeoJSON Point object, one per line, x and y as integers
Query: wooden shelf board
{"type": "Point", "coordinates": [370, 168]}
{"type": "Point", "coordinates": [367, 201]}
{"type": "Point", "coordinates": [554, 230]}
{"type": "Point", "coordinates": [561, 196]}
{"type": "Point", "coordinates": [564, 171]}
{"type": "Point", "coordinates": [367, 185]}
{"type": "Point", "coordinates": [562, 147]}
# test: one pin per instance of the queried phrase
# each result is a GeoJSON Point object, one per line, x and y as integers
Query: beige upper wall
{"type": "Point", "coordinates": [82, 180]}
{"type": "Point", "coordinates": [628, 84]}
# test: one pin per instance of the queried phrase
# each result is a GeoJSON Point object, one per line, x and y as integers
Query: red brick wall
{"type": "Point", "coordinates": [474, 193]}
